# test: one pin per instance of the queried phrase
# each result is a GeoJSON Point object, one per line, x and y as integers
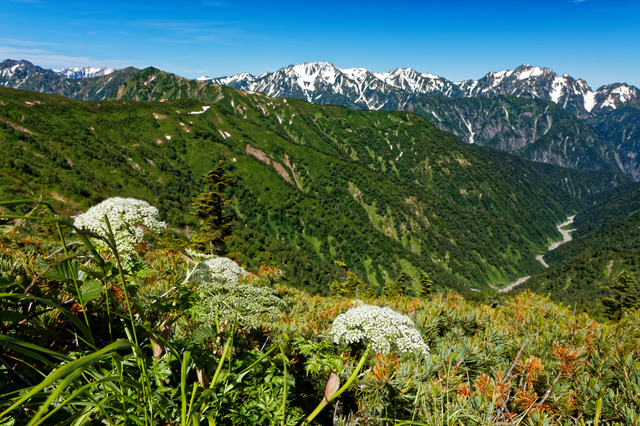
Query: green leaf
{"type": "Point", "coordinates": [74, 319]}
{"type": "Point", "coordinates": [144, 272]}
{"type": "Point", "coordinates": [31, 350]}
{"type": "Point", "coordinates": [203, 333]}
{"type": "Point", "coordinates": [91, 290]}
{"type": "Point", "coordinates": [12, 316]}
{"type": "Point", "coordinates": [63, 376]}
{"type": "Point", "coordinates": [65, 272]}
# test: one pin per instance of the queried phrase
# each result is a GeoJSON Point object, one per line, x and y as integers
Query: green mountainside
{"type": "Point", "coordinates": [534, 129]}
{"type": "Point", "coordinates": [383, 192]}
{"type": "Point", "coordinates": [610, 222]}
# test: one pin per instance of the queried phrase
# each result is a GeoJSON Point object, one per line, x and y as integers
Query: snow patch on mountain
{"type": "Point", "coordinates": [557, 88]}
{"type": "Point", "coordinates": [83, 72]}
{"type": "Point", "coordinates": [530, 73]}
{"type": "Point", "coordinates": [589, 101]}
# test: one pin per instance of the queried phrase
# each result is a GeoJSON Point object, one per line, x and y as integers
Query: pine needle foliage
{"type": "Point", "coordinates": [425, 284]}
{"type": "Point", "coordinates": [216, 228]}
{"type": "Point", "coordinates": [625, 296]}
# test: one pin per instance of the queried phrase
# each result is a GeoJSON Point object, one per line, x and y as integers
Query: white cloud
{"type": "Point", "coordinates": [48, 59]}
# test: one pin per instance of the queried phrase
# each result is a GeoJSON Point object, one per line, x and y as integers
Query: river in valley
{"type": "Point", "coordinates": [566, 237]}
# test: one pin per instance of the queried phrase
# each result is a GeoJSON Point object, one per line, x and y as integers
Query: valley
{"type": "Point", "coordinates": [566, 237]}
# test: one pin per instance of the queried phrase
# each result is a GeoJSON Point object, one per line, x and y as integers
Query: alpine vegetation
{"type": "Point", "coordinates": [250, 307]}
{"type": "Point", "coordinates": [124, 214]}
{"type": "Point", "coordinates": [223, 300]}
{"type": "Point", "coordinates": [386, 329]}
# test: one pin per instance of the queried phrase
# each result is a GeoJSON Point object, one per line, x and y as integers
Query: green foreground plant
{"type": "Point", "coordinates": [86, 338]}
{"type": "Point", "coordinates": [121, 382]}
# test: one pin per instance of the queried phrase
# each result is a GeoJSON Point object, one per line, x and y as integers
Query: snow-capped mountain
{"type": "Point", "coordinates": [84, 72]}
{"type": "Point", "coordinates": [419, 83]}
{"type": "Point", "coordinates": [26, 76]}
{"type": "Point", "coordinates": [616, 95]}
{"type": "Point", "coordinates": [16, 73]}
{"type": "Point", "coordinates": [542, 83]}
{"type": "Point", "coordinates": [324, 83]}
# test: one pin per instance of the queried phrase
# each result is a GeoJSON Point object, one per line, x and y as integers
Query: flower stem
{"type": "Point", "coordinates": [325, 401]}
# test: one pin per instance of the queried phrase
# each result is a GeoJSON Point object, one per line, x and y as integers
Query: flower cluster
{"type": "Point", "coordinates": [123, 214]}
{"type": "Point", "coordinates": [249, 306]}
{"type": "Point", "coordinates": [386, 329]}
{"type": "Point", "coordinates": [215, 269]}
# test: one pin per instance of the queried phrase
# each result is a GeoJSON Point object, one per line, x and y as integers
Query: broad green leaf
{"type": "Point", "coordinates": [12, 316]}
{"type": "Point", "coordinates": [91, 290]}
{"type": "Point", "coordinates": [64, 272]}
{"type": "Point", "coordinates": [204, 332]}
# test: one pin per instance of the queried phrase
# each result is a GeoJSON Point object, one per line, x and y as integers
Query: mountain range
{"type": "Point", "coordinates": [27, 76]}
{"type": "Point", "coordinates": [324, 83]}
{"type": "Point", "coordinates": [83, 72]}
{"type": "Point", "coordinates": [530, 111]}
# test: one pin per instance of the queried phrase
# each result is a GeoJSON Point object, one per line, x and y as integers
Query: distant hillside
{"type": "Point", "coordinates": [384, 192]}
{"type": "Point", "coordinates": [534, 129]}
{"type": "Point", "coordinates": [26, 76]}
{"type": "Point", "coordinates": [620, 128]}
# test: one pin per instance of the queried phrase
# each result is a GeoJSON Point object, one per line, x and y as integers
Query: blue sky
{"type": "Point", "coordinates": [596, 40]}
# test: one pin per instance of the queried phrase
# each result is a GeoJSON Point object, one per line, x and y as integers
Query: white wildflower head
{"type": "Point", "coordinates": [386, 330]}
{"type": "Point", "coordinates": [215, 269]}
{"type": "Point", "coordinates": [123, 214]}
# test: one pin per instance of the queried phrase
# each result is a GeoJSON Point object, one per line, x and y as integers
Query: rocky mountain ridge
{"type": "Point", "coordinates": [83, 72]}
{"type": "Point", "coordinates": [535, 129]}
{"type": "Point", "coordinates": [324, 83]}
{"type": "Point", "coordinates": [27, 76]}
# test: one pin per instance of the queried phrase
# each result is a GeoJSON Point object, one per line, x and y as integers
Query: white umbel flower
{"type": "Point", "coordinates": [123, 214]}
{"type": "Point", "coordinates": [386, 329]}
{"type": "Point", "coordinates": [215, 269]}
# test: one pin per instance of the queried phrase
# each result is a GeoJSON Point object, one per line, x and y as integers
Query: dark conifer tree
{"type": "Point", "coordinates": [216, 228]}
{"type": "Point", "coordinates": [425, 283]}
{"type": "Point", "coordinates": [625, 296]}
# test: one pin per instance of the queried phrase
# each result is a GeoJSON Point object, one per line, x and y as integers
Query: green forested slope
{"type": "Point", "coordinates": [384, 192]}
{"type": "Point", "coordinates": [610, 222]}
{"type": "Point", "coordinates": [620, 127]}
{"type": "Point", "coordinates": [605, 242]}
